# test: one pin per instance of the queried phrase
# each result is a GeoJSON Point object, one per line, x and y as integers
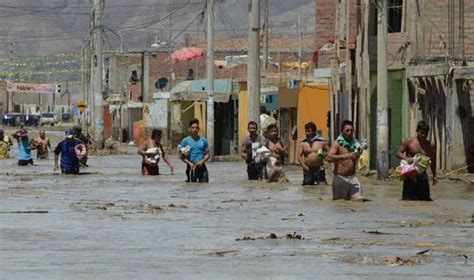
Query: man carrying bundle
{"type": "Point", "coordinates": [419, 149]}
{"type": "Point", "coordinates": [311, 156]}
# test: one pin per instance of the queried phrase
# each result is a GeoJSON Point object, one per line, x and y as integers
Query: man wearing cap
{"type": "Point", "coordinates": [5, 143]}
{"type": "Point", "coordinates": [25, 146]}
{"type": "Point", "coordinates": [69, 148]}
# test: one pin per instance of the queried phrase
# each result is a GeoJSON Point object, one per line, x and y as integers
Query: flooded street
{"type": "Point", "coordinates": [113, 223]}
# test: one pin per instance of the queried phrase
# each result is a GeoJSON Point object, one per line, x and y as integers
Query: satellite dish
{"type": "Point", "coordinates": [161, 83]}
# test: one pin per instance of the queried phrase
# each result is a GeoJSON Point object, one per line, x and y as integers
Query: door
{"type": "Point", "coordinates": [396, 126]}
{"type": "Point", "coordinates": [470, 154]}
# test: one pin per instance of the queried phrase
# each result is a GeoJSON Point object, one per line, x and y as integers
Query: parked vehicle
{"type": "Point", "coordinates": [65, 117]}
{"type": "Point", "coordinates": [9, 120]}
{"type": "Point", "coordinates": [32, 120]}
{"type": "Point", "coordinates": [48, 119]}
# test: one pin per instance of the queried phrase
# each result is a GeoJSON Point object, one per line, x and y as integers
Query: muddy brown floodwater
{"type": "Point", "coordinates": [112, 223]}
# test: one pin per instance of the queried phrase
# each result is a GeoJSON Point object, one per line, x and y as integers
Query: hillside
{"type": "Point", "coordinates": [42, 27]}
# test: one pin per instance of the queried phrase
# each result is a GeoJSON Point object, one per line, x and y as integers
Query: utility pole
{"type": "Point", "coordinates": [348, 62]}
{"type": "Point", "coordinates": [265, 29]}
{"type": "Point", "coordinates": [96, 76]}
{"type": "Point", "coordinates": [68, 99]}
{"type": "Point", "coordinates": [335, 78]}
{"type": "Point", "coordinates": [299, 47]}
{"type": "Point", "coordinates": [253, 65]}
{"type": "Point", "coordinates": [382, 91]}
{"type": "Point", "coordinates": [121, 41]}
{"type": "Point", "coordinates": [210, 77]}
{"type": "Point", "coordinates": [170, 37]}
{"type": "Point", "coordinates": [83, 82]}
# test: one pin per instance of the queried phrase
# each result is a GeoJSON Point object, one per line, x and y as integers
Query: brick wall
{"type": "Point", "coordinates": [124, 67]}
{"type": "Point", "coordinates": [435, 18]}
{"type": "Point", "coordinates": [325, 11]}
{"type": "Point", "coordinates": [159, 67]}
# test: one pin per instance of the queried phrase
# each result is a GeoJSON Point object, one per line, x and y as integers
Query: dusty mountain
{"type": "Point", "coordinates": [41, 27]}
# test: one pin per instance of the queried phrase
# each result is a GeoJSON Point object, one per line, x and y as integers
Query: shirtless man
{"type": "Point", "coordinates": [417, 187]}
{"type": "Point", "coordinates": [42, 145]}
{"type": "Point", "coordinates": [344, 153]}
{"type": "Point", "coordinates": [274, 165]}
{"type": "Point", "coordinates": [311, 156]}
{"type": "Point", "coordinates": [151, 167]}
{"type": "Point", "coordinates": [248, 151]}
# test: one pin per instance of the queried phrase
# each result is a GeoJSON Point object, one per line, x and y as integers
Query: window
{"type": "Point", "coordinates": [394, 18]}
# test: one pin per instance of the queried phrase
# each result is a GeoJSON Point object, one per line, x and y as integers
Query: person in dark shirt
{"type": "Point", "coordinates": [249, 152]}
{"type": "Point", "coordinates": [69, 149]}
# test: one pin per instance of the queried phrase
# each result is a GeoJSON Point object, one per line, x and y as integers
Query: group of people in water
{"type": "Point", "coordinates": [72, 150]}
{"type": "Point", "coordinates": [264, 155]}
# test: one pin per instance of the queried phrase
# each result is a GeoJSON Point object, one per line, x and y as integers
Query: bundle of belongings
{"type": "Point", "coordinates": [419, 166]}
{"type": "Point", "coordinates": [353, 145]}
{"type": "Point", "coordinates": [81, 151]}
{"type": "Point", "coordinates": [262, 154]}
{"type": "Point", "coordinates": [152, 155]}
{"type": "Point", "coordinates": [184, 150]}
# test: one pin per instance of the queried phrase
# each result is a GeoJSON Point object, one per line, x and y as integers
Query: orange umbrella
{"type": "Point", "coordinates": [187, 54]}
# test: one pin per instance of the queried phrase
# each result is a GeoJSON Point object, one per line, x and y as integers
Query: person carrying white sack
{"type": "Point", "coordinates": [152, 151]}
{"type": "Point", "coordinates": [251, 151]}
{"type": "Point", "coordinates": [274, 164]}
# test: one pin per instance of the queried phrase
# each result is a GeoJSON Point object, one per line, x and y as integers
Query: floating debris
{"type": "Point", "coordinates": [272, 236]}
{"type": "Point", "coordinates": [333, 240]}
{"type": "Point", "coordinates": [423, 252]}
{"type": "Point", "coordinates": [378, 232]}
{"type": "Point", "coordinates": [172, 205]}
{"type": "Point", "coordinates": [25, 212]}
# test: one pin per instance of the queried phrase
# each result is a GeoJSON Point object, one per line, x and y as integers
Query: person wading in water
{"type": "Point", "coordinates": [417, 187]}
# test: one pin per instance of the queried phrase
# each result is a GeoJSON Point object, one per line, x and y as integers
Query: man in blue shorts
{"type": "Point", "coordinates": [194, 151]}
{"type": "Point", "coordinates": [67, 148]}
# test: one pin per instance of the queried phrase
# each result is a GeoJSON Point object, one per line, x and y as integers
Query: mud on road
{"type": "Point", "coordinates": [114, 223]}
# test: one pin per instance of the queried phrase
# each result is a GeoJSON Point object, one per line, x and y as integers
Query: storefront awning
{"type": "Point", "coordinates": [197, 91]}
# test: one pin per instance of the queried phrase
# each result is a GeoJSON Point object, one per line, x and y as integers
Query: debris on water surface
{"type": "Point", "coordinates": [25, 212]}
{"type": "Point", "coordinates": [333, 240]}
{"type": "Point", "coordinates": [383, 260]}
{"type": "Point", "coordinates": [220, 253]}
{"type": "Point", "coordinates": [423, 252]}
{"type": "Point", "coordinates": [396, 261]}
{"type": "Point", "coordinates": [172, 205]}
{"type": "Point", "coordinates": [378, 232]}
{"type": "Point", "coordinates": [293, 236]}
{"type": "Point", "coordinates": [116, 207]}
{"type": "Point", "coordinates": [235, 200]}
{"type": "Point", "coordinates": [272, 236]}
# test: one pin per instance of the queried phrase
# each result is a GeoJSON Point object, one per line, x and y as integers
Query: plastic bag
{"type": "Point", "coordinates": [81, 151]}
{"type": "Point", "coordinates": [422, 163]}
{"type": "Point", "coordinates": [184, 150]}
{"type": "Point", "coordinates": [264, 153]}
{"type": "Point", "coordinates": [152, 155]}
